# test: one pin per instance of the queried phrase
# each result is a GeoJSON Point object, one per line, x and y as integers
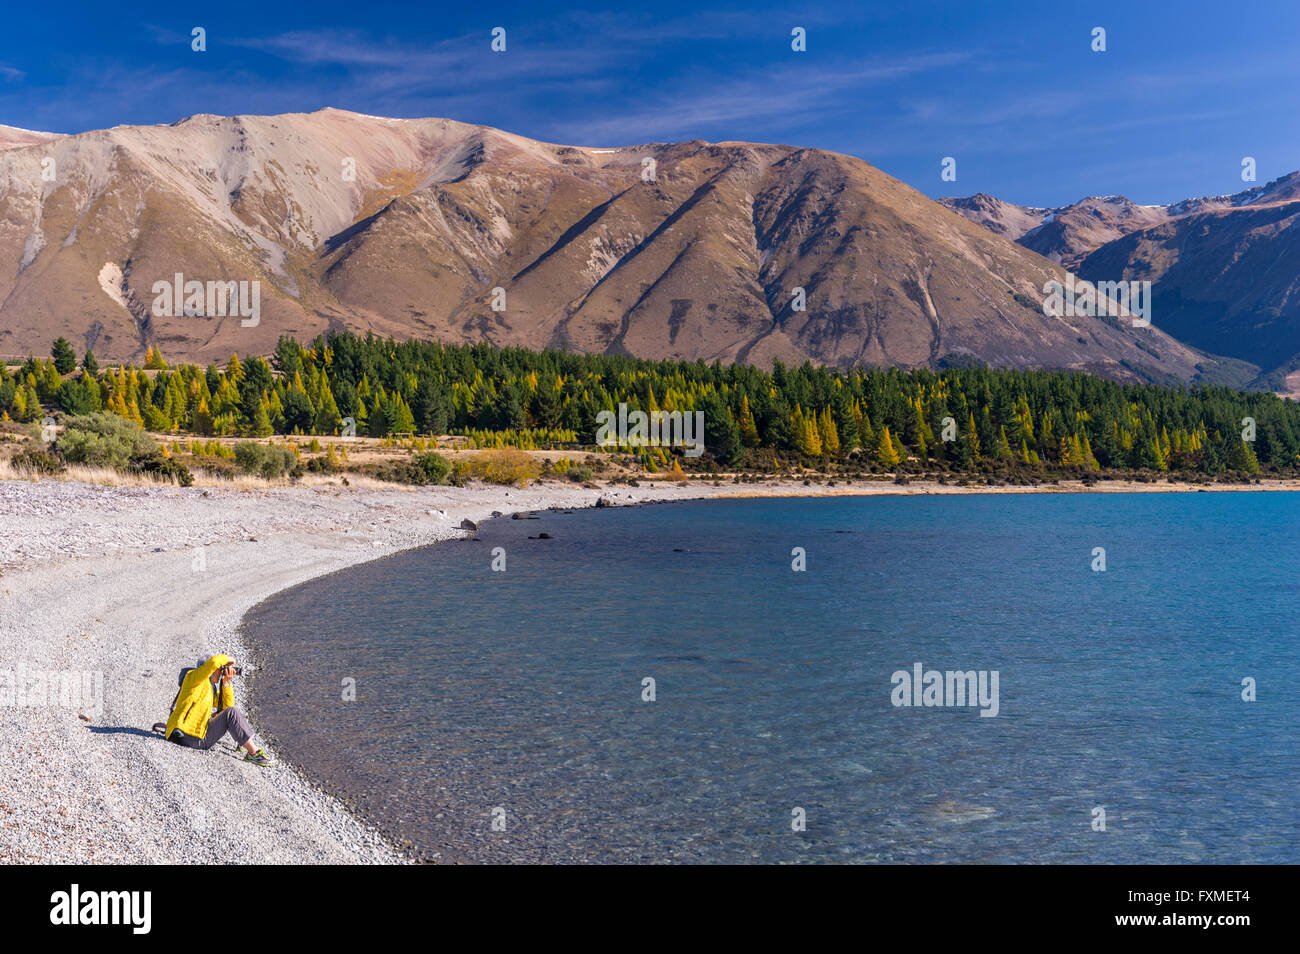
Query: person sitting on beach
{"type": "Point", "coordinates": [193, 723]}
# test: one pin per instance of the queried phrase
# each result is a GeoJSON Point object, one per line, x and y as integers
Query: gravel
{"type": "Point", "coordinates": [132, 584]}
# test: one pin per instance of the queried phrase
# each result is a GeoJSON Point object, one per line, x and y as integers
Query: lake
{"type": "Point", "coordinates": [506, 715]}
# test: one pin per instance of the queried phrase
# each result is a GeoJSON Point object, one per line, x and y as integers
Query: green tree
{"type": "Point", "coordinates": [287, 358]}
{"type": "Point", "coordinates": [80, 395]}
{"type": "Point", "coordinates": [65, 359]}
{"type": "Point", "coordinates": [259, 425]}
{"type": "Point", "coordinates": [328, 417]}
{"type": "Point", "coordinates": [546, 406]}
{"type": "Point", "coordinates": [296, 409]}
{"type": "Point", "coordinates": [721, 432]}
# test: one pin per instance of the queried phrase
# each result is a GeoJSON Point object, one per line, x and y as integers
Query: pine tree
{"type": "Point", "coordinates": [328, 418]}
{"type": "Point", "coordinates": [275, 411]}
{"type": "Point", "coordinates": [1089, 461]}
{"type": "Point", "coordinates": [27, 406]}
{"type": "Point", "coordinates": [403, 422]}
{"type": "Point", "coordinates": [1252, 461]}
{"type": "Point", "coordinates": [65, 359]}
{"type": "Point", "coordinates": [748, 429]}
{"type": "Point", "coordinates": [886, 454]}
{"type": "Point", "coordinates": [296, 408]}
{"type": "Point", "coordinates": [155, 419]}
{"type": "Point", "coordinates": [260, 425]}
{"type": "Point", "coordinates": [203, 418]}
{"type": "Point", "coordinates": [971, 437]}
{"type": "Point", "coordinates": [1003, 451]}
{"type": "Point", "coordinates": [807, 441]}
{"type": "Point", "coordinates": [1241, 456]}
{"type": "Point", "coordinates": [866, 437]}
{"type": "Point", "coordinates": [828, 434]}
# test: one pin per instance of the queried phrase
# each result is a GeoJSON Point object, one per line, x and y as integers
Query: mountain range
{"type": "Point", "coordinates": [729, 251]}
{"type": "Point", "coordinates": [1225, 270]}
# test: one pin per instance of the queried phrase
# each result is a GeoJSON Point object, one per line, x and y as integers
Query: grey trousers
{"type": "Point", "coordinates": [230, 720]}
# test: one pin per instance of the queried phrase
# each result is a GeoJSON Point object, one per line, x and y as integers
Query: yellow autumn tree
{"type": "Point", "coordinates": [748, 428]}
{"type": "Point", "coordinates": [828, 433]}
{"type": "Point", "coordinates": [886, 455]}
{"type": "Point", "coordinates": [807, 440]}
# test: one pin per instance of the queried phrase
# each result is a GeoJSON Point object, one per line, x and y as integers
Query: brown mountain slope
{"type": "Point", "coordinates": [700, 260]}
{"type": "Point", "coordinates": [1226, 280]}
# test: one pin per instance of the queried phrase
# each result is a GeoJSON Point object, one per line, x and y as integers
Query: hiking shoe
{"type": "Point", "coordinates": [260, 758]}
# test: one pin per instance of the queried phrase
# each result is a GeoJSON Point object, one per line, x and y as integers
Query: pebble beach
{"type": "Point", "coordinates": [125, 586]}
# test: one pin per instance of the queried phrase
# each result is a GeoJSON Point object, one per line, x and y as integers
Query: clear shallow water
{"type": "Point", "coordinates": [522, 690]}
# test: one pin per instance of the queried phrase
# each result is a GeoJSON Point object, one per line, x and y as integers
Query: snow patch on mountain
{"type": "Point", "coordinates": [110, 280]}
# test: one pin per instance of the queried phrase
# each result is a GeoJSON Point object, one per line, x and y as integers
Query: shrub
{"type": "Point", "coordinates": [264, 460]}
{"type": "Point", "coordinates": [506, 466]}
{"type": "Point", "coordinates": [163, 468]}
{"type": "Point", "coordinates": [38, 460]}
{"type": "Point", "coordinates": [104, 440]}
{"type": "Point", "coordinates": [433, 466]}
{"type": "Point", "coordinates": [579, 475]}
{"type": "Point", "coordinates": [327, 463]}
{"type": "Point", "coordinates": [420, 469]}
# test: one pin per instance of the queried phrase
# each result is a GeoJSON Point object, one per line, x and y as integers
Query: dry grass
{"type": "Point", "coordinates": [81, 473]}
{"type": "Point", "coordinates": [108, 477]}
{"type": "Point", "coordinates": [506, 467]}
{"type": "Point", "coordinates": [217, 479]}
{"type": "Point", "coordinates": [358, 481]}
{"type": "Point", "coordinates": [227, 481]}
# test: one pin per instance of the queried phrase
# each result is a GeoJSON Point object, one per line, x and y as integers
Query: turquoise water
{"type": "Point", "coordinates": [522, 690]}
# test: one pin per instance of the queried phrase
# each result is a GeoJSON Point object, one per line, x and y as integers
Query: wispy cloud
{"type": "Point", "coordinates": [788, 95]}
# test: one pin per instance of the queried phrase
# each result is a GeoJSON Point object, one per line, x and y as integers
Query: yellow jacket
{"type": "Point", "coordinates": [196, 699]}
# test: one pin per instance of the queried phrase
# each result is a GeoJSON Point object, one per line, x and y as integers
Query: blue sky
{"type": "Point", "coordinates": [1012, 90]}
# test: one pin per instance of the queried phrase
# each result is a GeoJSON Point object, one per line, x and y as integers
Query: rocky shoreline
{"type": "Point", "coordinates": [124, 586]}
